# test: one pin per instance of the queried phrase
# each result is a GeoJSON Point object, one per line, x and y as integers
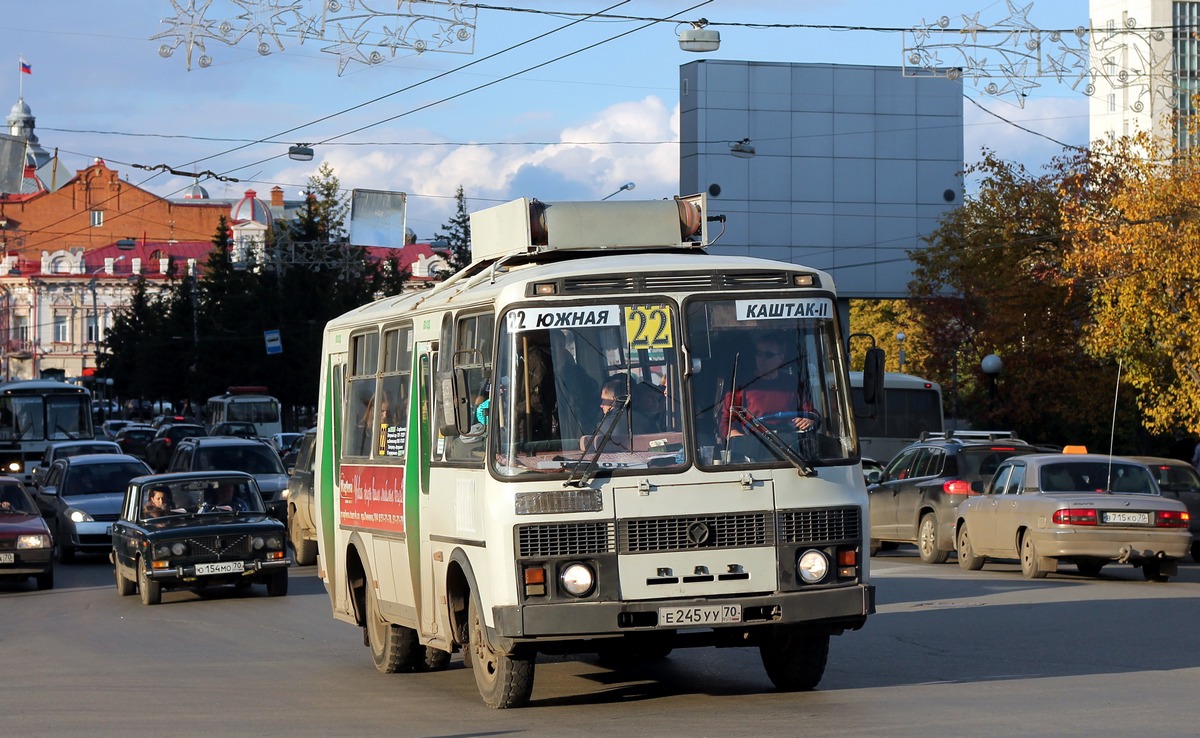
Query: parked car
{"type": "Point", "coordinates": [872, 470]}
{"type": "Point", "coordinates": [250, 455]}
{"type": "Point", "coordinates": [64, 449]}
{"type": "Point", "coordinates": [288, 456]}
{"type": "Point", "coordinates": [1179, 480]}
{"type": "Point", "coordinates": [26, 546]}
{"type": "Point", "coordinates": [914, 501]}
{"type": "Point", "coordinates": [160, 448]}
{"type": "Point", "coordinates": [110, 427]}
{"type": "Point", "coordinates": [81, 497]}
{"type": "Point", "coordinates": [302, 527]}
{"type": "Point", "coordinates": [213, 531]}
{"type": "Point", "coordinates": [236, 428]}
{"type": "Point", "coordinates": [133, 439]}
{"type": "Point", "coordinates": [1087, 509]}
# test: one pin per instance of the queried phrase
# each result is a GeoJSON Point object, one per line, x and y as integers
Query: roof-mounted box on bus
{"type": "Point", "coordinates": [528, 226]}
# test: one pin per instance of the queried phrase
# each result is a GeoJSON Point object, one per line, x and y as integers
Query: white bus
{"type": "Point", "coordinates": [475, 493]}
{"type": "Point", "coordinates": [910, 406]}
{"type": "Point", "coordinates": [246, 404]}
{"type": "Point", "coordinates": [36, 413]}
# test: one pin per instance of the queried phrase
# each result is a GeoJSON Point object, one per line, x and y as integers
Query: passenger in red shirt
{"type": "Point", "coordinates": [770, 389]}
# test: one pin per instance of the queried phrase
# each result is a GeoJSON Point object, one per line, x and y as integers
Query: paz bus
{"type": "Point", "coordinates": [247, 404]}
{"type": "Point", "coordinates": [910, 406]}
{"type": "Point", "coordinates": [36, 413]}
{"type": "Point", "coordinates": [529, 458]}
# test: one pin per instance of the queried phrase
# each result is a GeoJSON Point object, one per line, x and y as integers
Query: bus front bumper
{"type": "Point", "coordinates": [837, 609]}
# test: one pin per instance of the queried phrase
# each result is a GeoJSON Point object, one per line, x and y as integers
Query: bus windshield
{"type": "Point", "coordinates": [587, 384]}
{"type": "Point", "coordinates": [766, 382]}
{"type": "Point", "coordinates": [45, 417]}
{"type": "Point", "coordinates": [253, 411]}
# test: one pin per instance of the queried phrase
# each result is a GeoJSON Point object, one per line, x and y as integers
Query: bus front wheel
{"type": "Point", "coordinates": [504, 680]}
{"type": "Point", "coordinates": [795, 658]}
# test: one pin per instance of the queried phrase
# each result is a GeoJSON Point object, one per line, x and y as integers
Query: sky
{"type": "Point", "coordinates": [571, 128]}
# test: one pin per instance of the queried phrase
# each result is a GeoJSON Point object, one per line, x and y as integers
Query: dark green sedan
{"type": "Point", "coordinates": [195, 530]}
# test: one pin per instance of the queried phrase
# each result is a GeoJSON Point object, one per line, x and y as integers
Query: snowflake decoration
{"type": "Point", "coordinates": [353, 31]}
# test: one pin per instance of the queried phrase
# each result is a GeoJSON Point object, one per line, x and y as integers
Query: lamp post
{"type": "Point", "coordinates": [991, 366]}
{"type": "Point", "coordinates": [622, 188]}
{"type": "Point", "coordinates": [96, 309]}
{"type": "Point", "coordinates": [900, 342]}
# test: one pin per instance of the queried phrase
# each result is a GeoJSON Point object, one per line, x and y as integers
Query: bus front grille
{"type": "Point", "coordinates": [645, 535]}
{"type": "Point", "coordinates": [820, 526]}
{"type": "Point", "coordinates": [565, 539]}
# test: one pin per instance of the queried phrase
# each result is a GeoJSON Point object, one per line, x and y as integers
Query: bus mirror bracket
{"type": "Point", "coordinates": [873, 372]}
{"type": "Point", "coordinates": [456, 403]}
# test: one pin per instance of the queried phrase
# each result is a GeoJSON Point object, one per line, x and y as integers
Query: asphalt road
{"type": "Point", "coordinates": [950, 653]}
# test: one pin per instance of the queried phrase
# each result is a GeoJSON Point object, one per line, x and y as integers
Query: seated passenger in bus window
{"type": "Point", "coordinates": [767, 388]}
{"type": "Point", "coordinates": [636, 421]}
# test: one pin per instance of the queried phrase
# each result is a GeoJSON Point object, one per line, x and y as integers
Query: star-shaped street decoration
{"type": "Point", "coordinates": [971, 26]}
{"type": "Point", "coordinates": [347, 49]}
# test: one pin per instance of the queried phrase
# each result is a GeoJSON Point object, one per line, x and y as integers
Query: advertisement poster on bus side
{"type": "Point", "coordinates": [372, 497]}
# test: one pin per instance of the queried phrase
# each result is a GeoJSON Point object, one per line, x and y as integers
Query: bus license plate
{"type": "Point", "coordinates": [221, 567]}
{"type": "Point", "coordinates": [702, 615]}
{"type": "Point", "coordinates": [1137, 518]}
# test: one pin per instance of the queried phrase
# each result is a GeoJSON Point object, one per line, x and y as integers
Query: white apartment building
{"type": "Point", "coordinates": [1145, 60]}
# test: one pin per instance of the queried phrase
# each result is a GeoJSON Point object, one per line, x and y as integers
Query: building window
{"type": "Point", "coordinates": [20, 327]}
{"type": "Point", "coordinates": [62, 328]}
{"type": "Point", "coordinates": [97, 218]}
{"type": "Point", "coordinates": [91, 329]}
{"type": "Point", "coordinates": [1112, 103]}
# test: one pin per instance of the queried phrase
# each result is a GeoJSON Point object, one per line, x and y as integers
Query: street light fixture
{"type": "Point", "coordinates": [699, 39]}
{"type": "Point", "coordinates": [300, 152]}
{"type": "Point", "coordinates": [742, 149]}
{"type": "Point", "coordinates": [900, 341]}
{"type": "Point", "coordinates": [991, 366]}
{"type": "Point", "coordinates": [622, 188]}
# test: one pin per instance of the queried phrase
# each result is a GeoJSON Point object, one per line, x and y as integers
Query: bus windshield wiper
{"type": "Point", "coordinates": [772, 440]}
{"type": "Point", "coordinates": [603, 433]}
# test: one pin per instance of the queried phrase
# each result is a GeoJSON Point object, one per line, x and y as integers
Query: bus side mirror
{"type": "Point", "coordinates": [872, 384]}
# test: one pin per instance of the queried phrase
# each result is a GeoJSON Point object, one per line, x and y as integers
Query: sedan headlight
{"type": "Point", "coordinates": [78, 516]}
{"type": "Point", "coordinates": [812, 566]}
{"type": "Point", "coordinates": [274, 542]}
{"type": "Point", "coordinates": [34, 540]}
{"type": "Point", "coordinates": [577, 579]}
{"type": "Point", "coordinates": [179, 548]}
{"type": "Point", "coordinates": [257, 542]}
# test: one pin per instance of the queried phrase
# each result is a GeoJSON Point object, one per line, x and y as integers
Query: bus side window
{"type": "Point", "coordinates": [360, 410]}
{"type": "Point", "coordinates": [394, 387]}
{"type": "Point", "coordinates": [472, 355]}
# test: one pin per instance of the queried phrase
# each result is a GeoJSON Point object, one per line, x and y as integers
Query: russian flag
{"type": "Point", "coordinates": [25, 67]}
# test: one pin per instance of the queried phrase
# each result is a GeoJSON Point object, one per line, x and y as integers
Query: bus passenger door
{"type": "Point", "coordinates": [431, 505]}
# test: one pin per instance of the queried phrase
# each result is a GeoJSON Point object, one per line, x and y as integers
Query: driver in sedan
{"type": "Point", "coordinates": [770, 389]}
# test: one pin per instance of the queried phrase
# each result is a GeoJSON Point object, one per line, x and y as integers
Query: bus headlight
{"type": "Point", "coordinates": [812, 566]}
{"type": "Point", "coordinates": [577, 579]}
{"type": "Point", "coordinates": [14, 467]}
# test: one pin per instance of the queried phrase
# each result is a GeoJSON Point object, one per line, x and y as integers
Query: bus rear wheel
{"type": "Point", "coordinates": [394, 648]}
{"type": "Point", "coordinates": [795, 658]}
{"type": "Point", "coordinates": [504, 680]}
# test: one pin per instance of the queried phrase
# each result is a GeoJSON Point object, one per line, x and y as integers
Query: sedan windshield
{"type": "Point", "coordinates": [15, 500]}
{"type": "Point", "coordinates": [99, 479]}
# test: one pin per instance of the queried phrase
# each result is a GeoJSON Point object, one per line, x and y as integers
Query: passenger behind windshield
{"type": "Point", "coordinates": [158, 502]}
{"type": "Point", "coordinates": [225, 498]}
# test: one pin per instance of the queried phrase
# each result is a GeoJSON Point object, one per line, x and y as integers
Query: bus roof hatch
{"type": "Point", "coordinates": [527, 226]}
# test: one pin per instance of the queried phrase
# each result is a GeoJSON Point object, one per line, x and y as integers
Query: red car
{"type": "Point", "coordinates": [25, 542]}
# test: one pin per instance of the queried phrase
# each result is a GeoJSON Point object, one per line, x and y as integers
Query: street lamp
{"type": "Point", "coordinates": [622, 188]}
{"type": "Point", "coordinates": [900, 341]}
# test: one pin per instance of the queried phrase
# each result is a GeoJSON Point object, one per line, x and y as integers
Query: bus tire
{"type": "Point", "coordinates": [435, 659]}
{"type": "Point", "coordinates": [394, 648]}
{"type": "Point", "coordinates": [795, 658]}
{"type": "Point", "coordinates": [305, 550]}
{"type": "Point", "coordinates": [504, 680]}
{"type": "Point", "coordinates": [928, 545]}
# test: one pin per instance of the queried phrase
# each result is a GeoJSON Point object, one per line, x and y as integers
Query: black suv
{"type": "Point", "coordinates": [915, 497]}
{"type": "Point", "coordinates": [253, 456]}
